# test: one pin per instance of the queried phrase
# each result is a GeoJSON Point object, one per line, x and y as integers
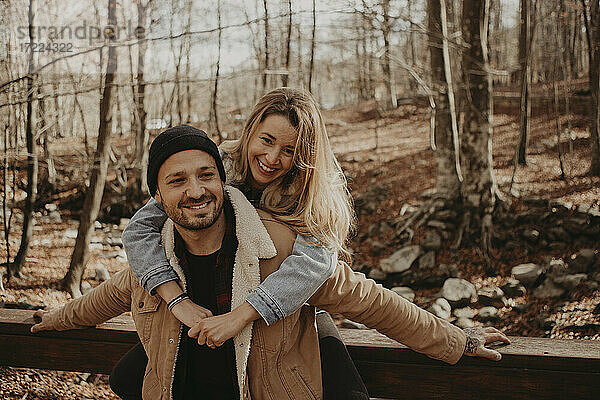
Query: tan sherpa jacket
{"type": "Point", "coordinates": [280, 361]}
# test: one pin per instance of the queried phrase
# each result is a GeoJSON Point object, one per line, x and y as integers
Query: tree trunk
{"type": "Point", "coordinates": [595, 87]}
{"type": "Point", "coordinates": [285, 78]}
{"type": "Point", "coordinates": [141, 137]}
{"type": "Point", "coordinates": [312, 47]}
{"type": "Point", "coordinates": [478, 187]}
{"type": "Point", "coordinates": [14, 269]}
{"type": "Point", "coordinates": [264, 81]}
{"type": "Point", "coordinates": [215, 92]}
{"type": "Point", "coordinates": [525, 79]}
{"type": "Point", "coordinates": [388, 75]}
{"type": "Point", "coordinates": [93, 196]}
{"type": "Point", "coordinates": [446, 183]}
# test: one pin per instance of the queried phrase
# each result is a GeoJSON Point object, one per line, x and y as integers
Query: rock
{"type": "Point", "coordinates": [51, 207]}
{"type": "Point", "coordinates": [458, 292]}
{"type": "Point", "coordinates": [557, 267]}
{"type": "Point", "coordinates": [114, 241]}
{"type": "Point", "coordinates": [123, 223]}
{"type": "Point", "coordinates": [401, 260]}
{"type": "Point", "coordinates": [405, 292]}
{"type": "Point", "coordinates": [377, 274]}
{"type": "Point", "coordinates": [527, 274]}
{"type": "Point", "coordinates": [440, 308]}
{"type": "Point", "coordinates": [97, 225]}
{"type": "Point", "coordinates": [513, 288]}
{"type": "Point", "coordinates": [101, 273]}
{"type": "Point", "coordinates": [95, 246]}
{"type": "Point", "coordinates": [548, 289]}
{"type": "Point", "coordinates": [531, 235]}
{"type": "Point", "coordinates": [85, 287]}
{"type": "Point", "coordinates": [466, 312]}
{"type": "Point", "coordinates": [432, 241]}
{"type": "Point", "coordinates": [486, 314]}
{"type": "Point", "coordinates": [491, 296]}
{"type": "Point", "coordinates": [54, 216]}
{"type": "Point", "coordinates": [427, 261]}
{"type": "Point", "coordinates": [464, 323]}
{"type": "Point", "coordinates": [70, 233]}
{"type": "Point", "coordinates": [569, 282]}
{"type": "Point", "coordinates": [582, 261]}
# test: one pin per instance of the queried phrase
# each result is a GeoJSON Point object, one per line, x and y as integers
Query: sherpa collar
{"type": "Point", "coordinates": [254, 243]}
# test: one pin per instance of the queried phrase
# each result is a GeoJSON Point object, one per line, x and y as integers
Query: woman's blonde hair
{"type": "Point", "coordinates": [312, 198]}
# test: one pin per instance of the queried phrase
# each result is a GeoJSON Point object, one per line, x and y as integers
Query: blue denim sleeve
{"type": "Point", "coordinates": [297, 279]}
{"type": "Point", "coordinates": [143, 245]}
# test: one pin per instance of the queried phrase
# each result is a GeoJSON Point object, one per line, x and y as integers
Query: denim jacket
{"type": "Point", "coordinates": [281, 294]}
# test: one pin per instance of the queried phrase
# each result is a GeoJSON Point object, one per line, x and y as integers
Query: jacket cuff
{"type": "Point", "coordinates": [265, 306]}
{"type": "Point", "coordinates": [456, 348]}
{"type": "Point", "coordinates": [157, 277]}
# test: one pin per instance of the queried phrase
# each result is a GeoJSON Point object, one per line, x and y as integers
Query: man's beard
{"type": "Point", "coordinates": [179, 217]}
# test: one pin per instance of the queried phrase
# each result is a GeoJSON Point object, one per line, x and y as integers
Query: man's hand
{"type": "Point", "coordinates": [214, 331]}
{"type": "Point", "coordinates": [477, 338]}
{"type": "Point", "coordinates": [190, 313]}
{"type": "Point", "coordinates": [46, 323]}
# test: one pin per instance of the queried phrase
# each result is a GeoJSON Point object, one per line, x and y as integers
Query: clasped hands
{"type": "Point", "coordinates": [213, 330]}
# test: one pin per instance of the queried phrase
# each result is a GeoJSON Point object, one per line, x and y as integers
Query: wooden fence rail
{"type": "Point", "coordinates": [531, 368]}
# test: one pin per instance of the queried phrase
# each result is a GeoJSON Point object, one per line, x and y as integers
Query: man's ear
{"type": "Point", "coordinates": [157, 196]}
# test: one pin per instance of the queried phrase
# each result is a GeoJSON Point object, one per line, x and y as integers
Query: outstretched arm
{"type": "Point", "coordinates": [367, 302]}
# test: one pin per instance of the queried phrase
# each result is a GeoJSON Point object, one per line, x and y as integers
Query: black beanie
{"type": "Point", "coordinates": [174, 140]}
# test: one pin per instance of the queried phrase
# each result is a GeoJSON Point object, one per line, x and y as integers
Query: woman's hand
{"type": "Point", "coordinates": [477, 338]}
{"type": "Point", "coordinates": [214, 331]}
{"type": "Point", "coordinates": [190, 313]}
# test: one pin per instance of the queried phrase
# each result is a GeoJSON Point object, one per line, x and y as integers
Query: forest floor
{"type": "Point", "coordinates": [392, 149]}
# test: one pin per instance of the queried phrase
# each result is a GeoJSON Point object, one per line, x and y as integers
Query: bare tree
{"type": "Point", "coordinates": [526, 36]}
{"type": "Point", "coordinates": [447, 183]}
{"type": "Point", "coordinates": [478, 187]}
{"type": "Point", "coordinates": [267, 54]}
{"type": "Point", "coordinates": [14, 269]}
{"type": "Point", "coordinates": [312, 47]}
{"type": "Point", "coordinates": [93, 196]}
{"type": "Point", "coordinates": [285, 77]}
{"type": "Point", "coordinates": [592, 23]}
{"type": "Point", "coordinates": [141, 135]}
{"type": "Point", "coordinates": [215, 91]}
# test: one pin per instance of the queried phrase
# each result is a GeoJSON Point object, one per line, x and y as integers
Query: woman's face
{"type": "Point", "coordinates": [271, 150]}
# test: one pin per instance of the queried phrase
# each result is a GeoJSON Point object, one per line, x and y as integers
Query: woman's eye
{"type": "Point", "coordinates": [289, 152]}
{"type": "Point", "coordinates": [178, 180]}
{"type": "Point", "coordinates": [267, 140]}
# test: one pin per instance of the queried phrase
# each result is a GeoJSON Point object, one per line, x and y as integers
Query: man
{"type": "Point", "coordinates": [221, 249]}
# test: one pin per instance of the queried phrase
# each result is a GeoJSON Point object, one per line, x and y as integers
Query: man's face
{"type": "Point", "coordinates": [190, 189]}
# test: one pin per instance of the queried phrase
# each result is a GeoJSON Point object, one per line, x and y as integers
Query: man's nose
{"type": "Point", "coordinates": [195, 189]}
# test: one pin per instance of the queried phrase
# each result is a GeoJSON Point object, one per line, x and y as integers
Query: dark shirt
{"type": "Point", "coordinates": [202, 372]}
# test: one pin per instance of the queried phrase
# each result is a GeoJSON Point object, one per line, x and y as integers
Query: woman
{"type": "Point", "coordinates": [284, 164]}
